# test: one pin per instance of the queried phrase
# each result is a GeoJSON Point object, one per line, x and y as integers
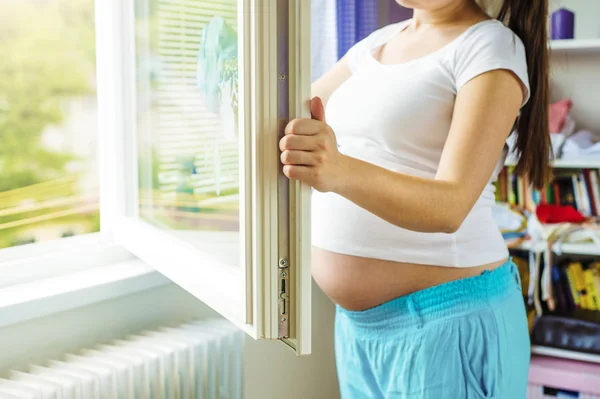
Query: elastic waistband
{"type": "Point", "coordinates": [440, 302]}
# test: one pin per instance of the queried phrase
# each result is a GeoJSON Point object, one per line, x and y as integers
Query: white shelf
{"type": "Point", "coordinates": [576, 46]}
{"type": "Point", "coordinates": [565, 354]}
{"type": "Point", "coordinates": [591, 163]}
{"type": "Point", "coordinates": [578, 249]}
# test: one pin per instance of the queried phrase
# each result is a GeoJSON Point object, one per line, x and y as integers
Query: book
{"type": "Point", "coordinates": [595, 189]}
{"type": "Point", "coordinates": [519, 191]}
{"type": "Point", "coordinates": [573, 286]}
{"type": "Point", "coordinates": [576, 192]}
{"type": "Point", "coordinates": [502, 189]}
{"type": "Point", "coordinates": [590, 187]}
{"type": "Point", "coordinates": [512, 181]}
{"type": "Point", "coordinates": [595, 267]}
{"type": "Point", "coordinates": [584, 298]}
{"type": "Point", "coordinates": [556, 190]}
{"type": "Point", "coordinates": [550, 194]}
{"type": "Point", "coordinates": [566, 191]}
{"type": "Point", "coordinates": [559, 294]}
{"type": "Point", "coordinates": [592, 291]}
{"type": "Point", "coordinates": [566, 286]}
{"type": "Point", "coordinates": [596, 277]}
{"type": "Point", "coordinates": [585, 197]}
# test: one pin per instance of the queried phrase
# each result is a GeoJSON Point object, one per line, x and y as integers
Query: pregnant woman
{"type": "Point", "coordinates": [407, 136]}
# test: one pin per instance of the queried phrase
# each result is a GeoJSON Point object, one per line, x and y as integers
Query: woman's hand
{"type": "Point", "coordinates": [309, 151]}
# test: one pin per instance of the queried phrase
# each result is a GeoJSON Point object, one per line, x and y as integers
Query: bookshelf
{"type": "Point", "coordinates": [565, 354]}
{"type": "Point", "coordinates": [574, 74]}
{"type": "Point", "coordinates": [581, 46]}
{"type": "Point", "coordinates": [591, 163]}
{"type": "Point", "coordinates": [590, 249]}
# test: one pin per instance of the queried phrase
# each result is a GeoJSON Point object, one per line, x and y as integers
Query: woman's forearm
{"type": "Point", "coordinates": [413, 203]}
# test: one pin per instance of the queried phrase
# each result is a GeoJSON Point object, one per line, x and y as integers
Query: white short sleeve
{"type": "Point", "coordinates": [489, 47]}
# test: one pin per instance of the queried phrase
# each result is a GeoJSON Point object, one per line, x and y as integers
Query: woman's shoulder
{"type": "Point", "coordinates": [487, 46]}
{"type": "Point", "coordinates": [492, 35]}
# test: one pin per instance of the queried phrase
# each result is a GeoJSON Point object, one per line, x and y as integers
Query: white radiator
{"type": "Point", "coordinates": [196, 360]}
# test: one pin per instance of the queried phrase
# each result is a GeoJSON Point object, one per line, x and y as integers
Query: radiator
{"type": "Point", "coordinates": [195, 360]}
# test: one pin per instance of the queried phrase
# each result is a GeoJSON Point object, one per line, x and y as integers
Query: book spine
{"type": "Point", "coordinates": [596, 277]}
{"type": "Point", "coordinates": [576, 192]}
{"type": "Point", "coordinates": [503, 190]}
{"type": "Point", "coordinates": [573, 286]}
{"type": "Point", "coordinates": [559, 293]}
{"type": "Point", "coordinates": [520, 193]}
{"type": "Point", "coordinates": [566, 285]}
{"type": "Point", "coordinates": [592, 292]}
{"type": "Point", "coordinates": [584, 298]}
{"type": "Point", "coordinates": [590, 191]}
{"type": "Point", "coordinates": [550, 193]}
{"type": "Point", "coordinates": [585, 197]}
{"type": "Point", "coordinates": [512, 195]}
{"type": "Point", "coordinates": [556, 190]}
{"type": "Point", "coordinates": [595, 190]}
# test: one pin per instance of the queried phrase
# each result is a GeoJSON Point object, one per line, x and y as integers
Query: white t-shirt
{"type": "Point", "coordinates": [398, 117]}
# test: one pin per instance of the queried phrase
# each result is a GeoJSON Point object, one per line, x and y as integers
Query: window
{"type": "Point", "coordinates": [48, 171]}
{"type": "Point", "coordinates": [192, 98]}
{"type": "Point", "coordinates": [194, 95]}
{"type": "Point", "coordinates": [189, 150]}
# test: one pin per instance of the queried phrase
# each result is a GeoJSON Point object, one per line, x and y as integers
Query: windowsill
{"type": "Point", "coordinates": [22, 302]}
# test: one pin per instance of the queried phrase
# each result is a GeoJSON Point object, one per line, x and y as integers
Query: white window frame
{"type": "Point", "coordinates": [255, 308]}
{"type": "Point", "coordinates": [58, 271]}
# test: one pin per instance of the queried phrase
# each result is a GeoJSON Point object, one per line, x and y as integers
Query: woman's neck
{"type": "Point", "coordinates": [457, 11]}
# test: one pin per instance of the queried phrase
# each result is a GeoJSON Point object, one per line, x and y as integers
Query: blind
{"type": "Point", "coordinates": [192, 140]}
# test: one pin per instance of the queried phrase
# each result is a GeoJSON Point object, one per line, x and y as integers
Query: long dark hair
{"type": "Point", "coordinates": [528, 20]}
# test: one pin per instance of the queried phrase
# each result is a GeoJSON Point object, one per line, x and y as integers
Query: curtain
{"type": "Point", "coordinates": [324, 36]}
{"type": "Point", "coordinates": [339, 24]}
{"type": "Point", "coordinates": [356, 19]}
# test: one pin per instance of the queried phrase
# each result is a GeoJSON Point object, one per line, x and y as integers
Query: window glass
{"type": "Point", "coordinates": [187, 120]}
{"type": "Point", "coordinates": [48, 169]}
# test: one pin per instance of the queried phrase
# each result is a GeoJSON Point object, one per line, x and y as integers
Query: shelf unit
{"type": "Point", "coordinates": [573, 60]}
{"type": "Point", "coordinates": [566, 248]}
{"type": "Point", "coordinates": [565, 354]}
{"type": "Point", "coordinates": [592, 163]}
{"type": "Point", "coordinates": [576, 45]}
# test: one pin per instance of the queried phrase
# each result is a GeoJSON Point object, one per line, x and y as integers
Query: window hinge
{"type": "Point", "coordinates": [284, 298]}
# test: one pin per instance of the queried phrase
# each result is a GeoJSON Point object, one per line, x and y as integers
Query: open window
{"type": "Point", "coordinates": [195, 95]}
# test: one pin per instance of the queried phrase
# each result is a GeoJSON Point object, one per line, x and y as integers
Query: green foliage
{"type": "Point", "coordinates": [48, 55]}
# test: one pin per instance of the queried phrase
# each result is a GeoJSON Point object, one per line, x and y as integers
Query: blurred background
{"type": "Point", "coordinates": [48, 157]}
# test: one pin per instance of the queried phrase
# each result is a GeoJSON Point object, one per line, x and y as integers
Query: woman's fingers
{"type": "Point", "coordinates": [302, 143]}
{"type": "Point", "coordinates": [292, 157]}
{"type": "Point", "coordinates": [302, 173]}
{"type": "Point", "coordinates": [304, 126]}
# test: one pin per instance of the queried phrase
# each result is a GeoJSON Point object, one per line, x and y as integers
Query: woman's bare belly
{"type": "Point", "coordinates": [357, 283]}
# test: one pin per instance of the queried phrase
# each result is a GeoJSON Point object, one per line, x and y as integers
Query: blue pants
{"type": "Point", "coordinates": [466, 339]}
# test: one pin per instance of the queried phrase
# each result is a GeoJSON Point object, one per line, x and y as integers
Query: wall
{"type": "Point", "coordinates": [577, 75]}
{"type": "Point", "coordinates": [272, 370]}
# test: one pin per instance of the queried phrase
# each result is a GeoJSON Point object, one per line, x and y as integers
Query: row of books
{"type": "Point", "coordinates": [577, 286]}
{"type": "Point", "coordinates": [514, 189]}
{"type": "Point", "coordinates": [580, 189]}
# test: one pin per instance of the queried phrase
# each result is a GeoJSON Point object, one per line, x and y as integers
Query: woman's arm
{"type": "Point", "coordinates": [484, 114]}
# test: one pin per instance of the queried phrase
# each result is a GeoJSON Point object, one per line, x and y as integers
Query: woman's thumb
{"type": "Point", "coordinates": [317, 110]}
